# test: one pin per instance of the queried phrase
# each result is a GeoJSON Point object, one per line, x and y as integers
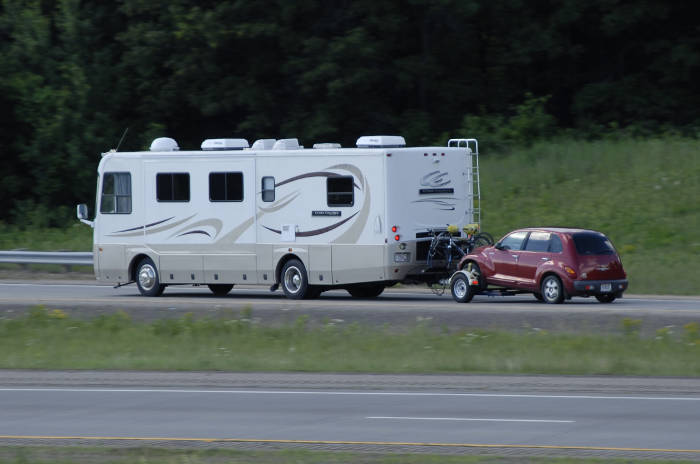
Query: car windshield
{"type": "Point", "coordinates": [588, 243]}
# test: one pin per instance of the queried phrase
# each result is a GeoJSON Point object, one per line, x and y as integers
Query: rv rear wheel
{"type": "Point", "coordinates": [147, 279]}
{"type": "Point", "coordinates": [220, 289]}
{"type": "Point", "coordinates": [295, 282]}
{"type": "Point", "coordinates": [366, 290]}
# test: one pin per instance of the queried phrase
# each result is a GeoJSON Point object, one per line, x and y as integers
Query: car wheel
{"type": "Point", "coordinates": [295, 282]}
{"type": "Point", "coordinates": [220, 289]}
{"type": "Point", "coordinates": [462, 292]}
{"type": "Point", "coordinates": [366, 291]}
{"type": "Point", "coordinates": [147, 279]}
{"type": "Point", "coordinates": [605, 298]}
{"type": "Point", "coordinates": [552, 290]}
{"type": "Point", "coordinates": [538, 296]}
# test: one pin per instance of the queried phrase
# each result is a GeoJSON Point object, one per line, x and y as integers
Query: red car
{"type": "Point", "coordinates": [552, 263]}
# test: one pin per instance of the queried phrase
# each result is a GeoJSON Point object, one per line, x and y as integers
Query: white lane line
{"type": "Point", "coordinates": [58, 285]}
{"type": "Point", "coordinates": [345, 393]}
{"type": "Point", "coordinates": [471, 419]}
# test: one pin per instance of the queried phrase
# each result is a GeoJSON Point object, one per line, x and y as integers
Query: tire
{"type": "Point", "coordinates": [606, 298]}
{"type": "Point", "coordinates": [462, 292]}
{"type": "Point", "coordinates": [220, 289]}
{"type": "Point", "coordinates": [294, 280]}
{"type": "Point", "coordinates": [552, 290]}
{"type": "Point", "coordinates": [147, 279]}
{"type": "Point", "coordinates": [366, 290]}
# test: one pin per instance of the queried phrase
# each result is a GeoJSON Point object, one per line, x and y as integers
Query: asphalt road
{"type": "Point", "coordinates": [527, 414]}
{"type": "Point", "coordinates": [403, 306]}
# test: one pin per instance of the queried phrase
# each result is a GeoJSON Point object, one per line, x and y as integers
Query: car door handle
{"type": "Point", "coordinates": [515, 256]}
{"type": "Point", "coordinates": [544, 259]}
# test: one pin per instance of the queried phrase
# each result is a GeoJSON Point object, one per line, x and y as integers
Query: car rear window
{"type": "Point", "coordinates": [588, 243]}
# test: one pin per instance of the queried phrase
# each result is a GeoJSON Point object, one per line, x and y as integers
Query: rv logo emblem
{"type": "Point", "coordinates": [435, 179]}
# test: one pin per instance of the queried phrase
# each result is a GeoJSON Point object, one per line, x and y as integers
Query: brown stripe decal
{"type": "Point", "coordinates": [311, 174]}
{"type": "Point", "coordinates": [310, 233]}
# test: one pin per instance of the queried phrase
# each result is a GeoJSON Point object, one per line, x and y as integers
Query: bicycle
{"type": "Point", "coordinates": [445, 247]}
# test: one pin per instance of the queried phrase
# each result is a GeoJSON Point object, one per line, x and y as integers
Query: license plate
{"type": "Point", "coordinates": [605, 287]}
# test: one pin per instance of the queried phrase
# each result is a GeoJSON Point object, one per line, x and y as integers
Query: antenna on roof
{"type": "Point", "coordinates": [121, 139]}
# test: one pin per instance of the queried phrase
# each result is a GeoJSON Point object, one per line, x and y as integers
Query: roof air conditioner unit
{"type": "Point", "coordinates": [381, 141]}
{"type": "Point", "coordinates": [224, 144]}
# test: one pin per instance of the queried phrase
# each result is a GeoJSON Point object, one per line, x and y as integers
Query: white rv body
{"type": "Point", "coordinates": [349, 215]}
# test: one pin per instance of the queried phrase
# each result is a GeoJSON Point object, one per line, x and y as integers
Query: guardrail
{"type": "Point", "coordinates": [66, 258]}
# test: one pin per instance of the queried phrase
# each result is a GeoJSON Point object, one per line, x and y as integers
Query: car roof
{"type": "Point", "coordinates": [561, 230]}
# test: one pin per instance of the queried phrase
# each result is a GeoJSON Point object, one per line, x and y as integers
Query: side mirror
{"type": "Point", "coordinates": [82, 211]}
{"type": "Point", "coordinates": [498, 246]}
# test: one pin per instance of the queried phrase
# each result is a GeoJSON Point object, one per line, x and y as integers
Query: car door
{"type": "Point", "coordinates": [504, 257]}
{"type": "Point", "coordinates": [534, 254]}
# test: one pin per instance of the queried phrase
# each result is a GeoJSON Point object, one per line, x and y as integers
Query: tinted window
{"type": "Point", "coordinates": [173, 187]}
{"type": "Point", "coordinates": [538, 241]}
{"type": "Point", "coordinates": [589, 243]}
{"type": "Point", "coordinates": [513, 241]}
{"type": "Point", "coordinates": [268, 188]}
{"type": "Point", "coordinates": [226, 186]}
{"type": "Point", "coordinates": [340, 191]}
{"type": "Point", "coordinates": [555, 244]}
{"type": "Point", "coordinates": [116, 193]}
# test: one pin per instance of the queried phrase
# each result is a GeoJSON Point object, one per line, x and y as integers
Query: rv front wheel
{"type": "Point", "coordinates": [295, 283]}
{"type": "Point", "coordinates": [147, 279]}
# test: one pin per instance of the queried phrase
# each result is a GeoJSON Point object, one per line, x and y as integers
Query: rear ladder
{"type": "Point", "coordinates": [474, 193]}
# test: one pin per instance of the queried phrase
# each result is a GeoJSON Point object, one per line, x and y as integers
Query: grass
{"type": "Point", "coordinates": [644, 194]}
{"type": "Point", "coordinates": [48, 339]}
{"type": "Point", "coordinates": [75, 455]}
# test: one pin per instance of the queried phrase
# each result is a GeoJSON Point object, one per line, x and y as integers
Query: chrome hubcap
{"type": "Point", "coordinates": [551, 289]}
{"type": "Point", "coordinates": [147, 277]}
{"type": "Point", "coordinates": [460, 288]}
{"type": "Point", "coordinates": [292, 279]}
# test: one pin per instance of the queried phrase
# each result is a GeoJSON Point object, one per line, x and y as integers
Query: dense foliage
{"type": "Point", "coordinates": [75, 74]}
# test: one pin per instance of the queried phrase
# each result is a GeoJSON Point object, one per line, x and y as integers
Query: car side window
{"type": "Point", "coordinates": [514, 241]}
{"type": "Point", "coordinates": [555, 244]}
{"type": "Point", "coordinates": [537, 241]}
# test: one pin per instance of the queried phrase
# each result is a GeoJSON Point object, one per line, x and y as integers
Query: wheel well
{"type": "Point", "coordinates": [548, 273]}
{"type": "Point", "coordinates": [135, 262]}
{"type": "Point", "coordinates": [280, 264]}
{"type": "Point", "coordinates": [466, 263]}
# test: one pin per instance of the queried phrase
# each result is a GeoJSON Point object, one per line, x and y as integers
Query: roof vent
{"type": "Point", "coordinates": [164, 144]}
{"type": "Point", "coordinates": [287, 144]}
{"type": "Point", "coordinates": [321, 146]}
{"type": "Point", "coordinates": [381, 141]}
{"type": "Point", "coordinates": [263, 144]}
{"type": "Point", "coordinates": [224, 144]}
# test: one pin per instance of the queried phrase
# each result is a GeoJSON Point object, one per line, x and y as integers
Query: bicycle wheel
{"type": "Point", "coordinates": [483, 239]}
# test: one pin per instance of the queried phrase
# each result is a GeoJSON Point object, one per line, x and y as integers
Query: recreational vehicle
{"type": "Point", "coordinates": [279, 214]}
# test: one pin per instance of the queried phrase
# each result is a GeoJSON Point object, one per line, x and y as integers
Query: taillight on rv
{"type": "Point", "coordinates": [394, 229]}
{"type": "Point", "coordinates": [397, 237]}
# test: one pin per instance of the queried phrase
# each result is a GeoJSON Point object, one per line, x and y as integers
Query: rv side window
{"type": "Point", "coordinates": [340, 191]}
{"type": "Point", "coordinates": [268, 188]}
{"type": "Point", "coordinates": [225, 186]}
{"type": "Point", "coordinates": [173, 186]}
{"type": "Point", "coordinates": [116, 193]}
